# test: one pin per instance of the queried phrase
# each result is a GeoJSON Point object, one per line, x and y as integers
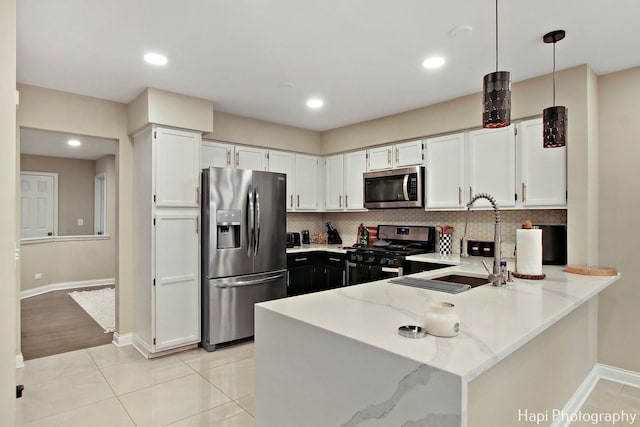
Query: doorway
{"type": "Point", "coordinates": [74, 248]}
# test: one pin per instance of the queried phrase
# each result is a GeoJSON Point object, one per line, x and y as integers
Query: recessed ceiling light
{"type": "Point", "coordinates": [315, 103]}
{"type": "Point", "coordinates": [155, 58]}
{"type": "Point", "coordinates": [433, 62]}
{"type": "Point", "coordinates": [74, 142]}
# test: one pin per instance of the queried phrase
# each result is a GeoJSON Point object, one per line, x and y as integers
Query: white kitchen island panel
{"type": "Point", "coordinates": [308, 376]}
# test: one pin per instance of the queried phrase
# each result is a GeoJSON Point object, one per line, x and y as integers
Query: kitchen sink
{"type": "Point", "coordinates": [472, 281]}
{"type": "Point", "coordinates": [451, 283]}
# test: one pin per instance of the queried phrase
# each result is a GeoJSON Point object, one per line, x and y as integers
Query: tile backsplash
{"type": "Point", "coordinates": [481, 222]}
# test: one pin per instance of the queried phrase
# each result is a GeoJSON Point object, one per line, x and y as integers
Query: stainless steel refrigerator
{"type": "Point", "coordinates": [244, 258]}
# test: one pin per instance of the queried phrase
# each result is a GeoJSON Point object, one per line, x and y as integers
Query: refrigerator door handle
{"type": "Point", "coordinates": [249, 282]}
{"type": "Point", "coordinates": [250, 214]}
{"type": "Point", "coordinates": [257, 223]}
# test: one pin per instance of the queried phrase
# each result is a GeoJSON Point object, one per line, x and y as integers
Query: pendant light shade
{"type": "Point", "coordinates": [554, 119]}
{"type": "Point", "coordinates": [496, 94]}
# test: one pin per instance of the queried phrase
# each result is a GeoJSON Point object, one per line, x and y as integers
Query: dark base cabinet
{"type": "Point", "coordinates": [314, 271]}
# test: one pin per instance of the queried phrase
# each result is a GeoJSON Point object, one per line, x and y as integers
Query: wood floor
{"type": "Point", "coordinates": [54, 323]}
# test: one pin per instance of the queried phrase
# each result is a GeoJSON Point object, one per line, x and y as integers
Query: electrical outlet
{"type": "Point", "coordinates": [37, 276]}
{"type": "Point", "coordinates": [80, 221]}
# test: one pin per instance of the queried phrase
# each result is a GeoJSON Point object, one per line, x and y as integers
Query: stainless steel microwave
{"type": "Point", "coordinates": [395, 188]}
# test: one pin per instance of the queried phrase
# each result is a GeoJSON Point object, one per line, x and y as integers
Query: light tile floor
{"type": "Point", "coordinates": [609, 397]}
{"type": "Point", "coordinates": [110, 386]}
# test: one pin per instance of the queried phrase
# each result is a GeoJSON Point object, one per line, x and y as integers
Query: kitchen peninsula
{"type": "Point", "coordinates": [334, 358]}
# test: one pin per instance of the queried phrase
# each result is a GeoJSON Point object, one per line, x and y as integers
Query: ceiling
{"type": "Point", "coordinates": [264, 58]}
{"type": "Point", "coordinates": [54, 144]}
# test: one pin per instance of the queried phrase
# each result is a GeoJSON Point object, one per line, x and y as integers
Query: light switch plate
{"type": "Point", "coordinates": [80, 221]}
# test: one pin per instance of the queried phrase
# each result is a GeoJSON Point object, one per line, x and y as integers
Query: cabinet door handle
{"type": "Point", "coordinates": [459, 195]}
{"type": "Point", "coordinates": [524, 192]}
{"type": "Point", "coordinates": [197, 196]}
{"type": "Point", "coordinates": [346, 200]}
{"type": "Point", "coordinates": [397, 156]}
{"type": "Point", "coordinates": [298, 200]}
{"type": "Point", "coordinates": [389, 156]}
{"type": "Point", "coordinates": [470, 193]}
{"type": "Point", "coordinates": [334, 259]}
{"type": "Point", "coordinates": [228, 157]}
{"type": "Point", "coordinates": [237, 159]}
{"type": "Point", "coordinates": [292, 200]}
{"type": "Point", "coordinates": [340, 201]}
{"type": "Point", "coordinates": [300, 259]}
{"type": "Point", "coordinates": [197, 225]}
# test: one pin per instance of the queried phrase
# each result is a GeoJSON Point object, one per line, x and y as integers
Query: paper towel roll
{"type": "Point", "coordinates": [529, 247]}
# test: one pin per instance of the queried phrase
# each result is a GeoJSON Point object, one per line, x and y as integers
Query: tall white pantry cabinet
{"type": "Point", "coordinates": [166, 239]}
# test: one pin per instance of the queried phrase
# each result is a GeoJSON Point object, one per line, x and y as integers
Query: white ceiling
{"type": "Point", "coordinates": [54, 144]}
{"type": "Point", "coordinates": [264, 58]}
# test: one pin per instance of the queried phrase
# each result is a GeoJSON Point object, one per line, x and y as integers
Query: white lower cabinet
{"type": "Point", "coordinates": [176, 290]}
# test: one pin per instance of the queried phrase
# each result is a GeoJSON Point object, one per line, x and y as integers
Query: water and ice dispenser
{"type": "Point", "coordinates": [228, 228]}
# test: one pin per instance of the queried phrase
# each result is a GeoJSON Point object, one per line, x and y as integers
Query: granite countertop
{"type": "Point", "coordinates": [494, 321]}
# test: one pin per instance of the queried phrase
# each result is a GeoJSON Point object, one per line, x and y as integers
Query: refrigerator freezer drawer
{"type": "Point", "coordinates": [228, 305]}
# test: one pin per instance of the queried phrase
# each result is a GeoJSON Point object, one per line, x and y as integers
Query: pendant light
{"type": "Point", "coordinates": [554, 119]}
{"type": "Point", "coordinates": [496, 94]}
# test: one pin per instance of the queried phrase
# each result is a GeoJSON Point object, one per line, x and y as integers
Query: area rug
{"type": "Point", "coordinates": [100, 305]}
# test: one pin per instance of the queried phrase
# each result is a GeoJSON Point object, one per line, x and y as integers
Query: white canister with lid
{"type": "Point", "coordinates": [442, 320]}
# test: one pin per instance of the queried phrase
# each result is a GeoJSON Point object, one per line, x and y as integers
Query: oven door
{"type": "Point", "coordinates": [363, 273]}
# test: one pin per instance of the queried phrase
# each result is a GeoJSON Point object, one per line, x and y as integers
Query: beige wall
{"type": "Point", "coordinates": [243, 130]}
{"type": "Point", "coordinates": [619, 101]}
{"type": "Point", "coordinates": [66, 261]}
{"type": "Point", "coordinates": [8, 219]}
{"type": "Point", "coordinates": [48, 109]}
{"type": "Point", "coordinates": [75, 190]}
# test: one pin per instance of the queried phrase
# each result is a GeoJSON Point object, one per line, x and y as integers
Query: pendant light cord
{"type": "Point", "coordinates": [497, 36]}
{"type": "Point", "coordinates": [554, 73]}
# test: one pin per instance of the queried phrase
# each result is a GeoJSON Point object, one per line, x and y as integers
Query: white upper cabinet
{"type": "Point", "coordinates": [177, 167]}
{"type": "Point", "coordinates": [543, 171]}
{"type": "Point", "coordinates": [216, 154]}
{"type": "Point", "coordinates": [334, 182]}
{"type": "Point", "coordinates": [410, 153]}
{"type": "Point", "coordinates": [400, 155]}
{"type": "Point", "coordinates": [445, 172]}
{"type": "Point", "coordinates": [251, 158]}
{"type": "Point", "coordinates": [492, 165]}
{"type": "Point", "coordinates": [355, 164]}
{"type": "Point", "coordinates": [306, 183]}
{"type": "Point", "coordinates": [284, 162]}
{"type": "Point", "coordinates": [380, 158]}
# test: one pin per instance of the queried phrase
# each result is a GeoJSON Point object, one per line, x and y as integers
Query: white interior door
{"type": "Point", "coordinates": [39, 204]}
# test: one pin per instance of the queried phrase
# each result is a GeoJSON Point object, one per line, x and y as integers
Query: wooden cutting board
{"type": "Point", "coordinates": [591, 270]}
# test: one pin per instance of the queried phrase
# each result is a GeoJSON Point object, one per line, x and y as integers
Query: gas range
{"type": "Point", "coordinates": [399, 242]}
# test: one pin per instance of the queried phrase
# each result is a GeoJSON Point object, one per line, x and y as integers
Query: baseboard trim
{"type": "Point", "coordinates": [619, 375]}
{"type": "Point", "coordinates": [66, 285]}
{"type": "Point", "coordinates": [122, 340]}
{"type": "Point", "coordinates": [19, 360]}
{"type": "Point", "coordinates": [599, 372]}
